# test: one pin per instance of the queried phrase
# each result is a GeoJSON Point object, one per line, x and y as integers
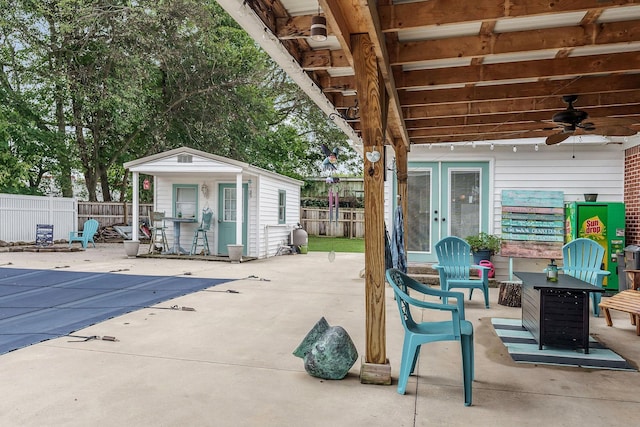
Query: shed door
{"type": "Point", "coordinates": [227, 217]}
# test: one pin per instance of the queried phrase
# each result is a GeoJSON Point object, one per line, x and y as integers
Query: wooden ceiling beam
{"type": "Point", "coordinates": [543, 118]}
{"type": "Point", "coordinates": [514, 42]}
{"type": "Point", "coordinates": [557, 88]}
{"type": "Point", "coordinates": [406, 16]}
{"type": "Point", "coordinates": [488, 137]}
{"type": "Point", "coordinates": [530, 104]}
{"type": "Point", "coordinates": [325, 59]}
{"type": "Point", "coordinates": [490, 128]}
{"type": "Point", "coordinates": [546, 68]}
{"type": "Point", "coordinates": [507, 107]}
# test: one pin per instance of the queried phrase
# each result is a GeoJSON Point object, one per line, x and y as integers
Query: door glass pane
{"type": "Point", "coordinates": [229, 205]}
{"type": "Point", "coordinates": [418, 233]}
{"type": "Point", "coordinates": [464, 210]}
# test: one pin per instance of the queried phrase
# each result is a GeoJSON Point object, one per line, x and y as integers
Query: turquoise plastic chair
{"type": "Point", "coordinates": [416, 334]}
{"type": "Point", "coordinates": [582, 259]}
{"type": "Point", "coordinates": [200, 235]}
{"type": "Point", "coordinates": [454, 267]}
{"type": "Point", "coordinates": [85, 236]}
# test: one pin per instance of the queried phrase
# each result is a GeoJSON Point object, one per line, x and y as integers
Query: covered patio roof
{"type": "Point", "coordinates": [405, 72]}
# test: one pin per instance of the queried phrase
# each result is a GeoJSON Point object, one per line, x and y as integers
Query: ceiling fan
{"type": "Point", "coordinates": [573, 122]}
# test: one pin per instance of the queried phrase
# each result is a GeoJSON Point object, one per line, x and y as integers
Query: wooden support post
{"type": "Point", "coordinates": [375, 367]}
{"type": "Point", "coordinates": [510, 294]}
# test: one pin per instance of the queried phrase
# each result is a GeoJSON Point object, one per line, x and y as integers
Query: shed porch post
{"type": "Point", "coordinates": [135, 215]}
{"type": "Point", "coordinates": [239, 209]}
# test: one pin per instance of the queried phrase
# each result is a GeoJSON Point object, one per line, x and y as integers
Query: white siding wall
{"type": "Point", "coordinates": [574, 169]}
{"type": "Point", "coordinates": [271, 234]}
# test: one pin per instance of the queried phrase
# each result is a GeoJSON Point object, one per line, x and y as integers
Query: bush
{"type": "Point", "coordinates": [484, 241]}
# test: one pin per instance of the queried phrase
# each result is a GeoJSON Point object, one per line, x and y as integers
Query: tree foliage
{"type": "Point", "coordinates": [91, 84]}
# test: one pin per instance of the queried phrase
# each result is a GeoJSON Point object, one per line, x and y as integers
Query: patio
{"type": "Point", "coordinates": [229, 362]}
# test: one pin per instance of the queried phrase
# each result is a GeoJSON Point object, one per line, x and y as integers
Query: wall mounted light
{"type": "Point", "coordinates": [205, 190]}
{"type": "Point", "coordinates": [318, 28]}
{"type": "Point", "coordinates": [249, 182]}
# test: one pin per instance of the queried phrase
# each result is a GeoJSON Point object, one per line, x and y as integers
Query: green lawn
{"type": "Point", "coordinates": [336, 244]}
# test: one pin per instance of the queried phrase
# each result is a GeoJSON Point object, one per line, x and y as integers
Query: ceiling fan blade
{"type": "Point", "coordinates": [557, 138]}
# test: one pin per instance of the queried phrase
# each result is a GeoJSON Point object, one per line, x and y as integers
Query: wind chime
{"type": "Point", "coordinates": [329, 165]}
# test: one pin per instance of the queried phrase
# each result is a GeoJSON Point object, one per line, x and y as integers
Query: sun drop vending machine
{"type": "Point", "coordinates": [603, 222]}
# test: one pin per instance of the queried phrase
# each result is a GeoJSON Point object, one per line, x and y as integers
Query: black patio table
{"type": "Point", "coordinates": [556, 313]}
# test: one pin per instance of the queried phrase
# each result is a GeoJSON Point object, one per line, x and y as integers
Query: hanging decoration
{"type": "Point", "coordinates": [331, 159]}
{"type": "Point", "coordinates": [329, 165]}
{"type": "Point", "coordinates": [333, 203]}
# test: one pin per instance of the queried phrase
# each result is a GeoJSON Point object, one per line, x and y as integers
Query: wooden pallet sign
{"type": "Point", "coordinates": [532, 224]}
{"type": "Point", "coordinates": [44, 234]}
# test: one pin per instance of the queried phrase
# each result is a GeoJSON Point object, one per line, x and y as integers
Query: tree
{"type": "Point", "coordinates": [97, 83]}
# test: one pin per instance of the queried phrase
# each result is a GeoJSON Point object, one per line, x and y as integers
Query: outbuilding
{"type": "Point", "coordinates": [251, 206]}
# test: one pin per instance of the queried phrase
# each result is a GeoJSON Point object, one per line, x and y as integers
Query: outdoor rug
{"type": "Point", "coordinates": [523, 348]}
{"type": "Point", "coordinates": [37, 305]}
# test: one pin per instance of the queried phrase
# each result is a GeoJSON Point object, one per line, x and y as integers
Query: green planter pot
{"type": "Point", "coordinates": [481, 255]}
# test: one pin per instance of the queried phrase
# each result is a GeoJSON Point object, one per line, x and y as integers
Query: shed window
{"type": "Point", "coordinates": [185, 200]}
{"type": "Point", "coordinates": [282, 207]}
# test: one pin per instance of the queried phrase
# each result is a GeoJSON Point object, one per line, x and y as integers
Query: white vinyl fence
{"type": "Point", "coordinates": [19, 216]}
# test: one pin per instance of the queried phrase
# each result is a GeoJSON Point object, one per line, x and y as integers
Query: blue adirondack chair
{"type": "Point", "coordinates": [582, 259]}
{"type": "Point", "coordinates": [200, 235]}
{"type": "Point", "coordinates": [454, 267]}
{"type": "Point", "coordinates": [416, 334]}
{"type": "Point", "coordinates": [85, 236]}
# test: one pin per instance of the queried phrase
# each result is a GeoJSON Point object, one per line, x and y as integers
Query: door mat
{"type": "Point", "coordinates": [523, 348]}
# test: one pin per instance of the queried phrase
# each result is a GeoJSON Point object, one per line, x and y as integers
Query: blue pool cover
{"type": "Point", "coordinates": [37, 305]}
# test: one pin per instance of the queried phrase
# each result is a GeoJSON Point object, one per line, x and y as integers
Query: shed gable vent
{"type": "Point", "coordinates": [185, 158]}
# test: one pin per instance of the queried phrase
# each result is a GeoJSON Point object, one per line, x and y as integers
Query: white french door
{"type": "Point", "coordinates": [444, 199]}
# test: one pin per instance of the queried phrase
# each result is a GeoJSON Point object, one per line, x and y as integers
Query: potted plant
{"type": "Point", "coordinates": [483, 246]}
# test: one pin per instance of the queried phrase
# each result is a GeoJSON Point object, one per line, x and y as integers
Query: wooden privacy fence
{"type": "Point", "coordinates": [316, 222]}
{"type": "Point", "coordinates": [111, 213]}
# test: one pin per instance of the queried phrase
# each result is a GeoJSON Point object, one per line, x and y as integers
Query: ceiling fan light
{"type": "Point", "coordinates": [318, 28]}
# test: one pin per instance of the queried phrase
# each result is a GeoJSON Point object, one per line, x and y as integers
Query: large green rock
{"type": "Point", "coordinates": [328, 351]}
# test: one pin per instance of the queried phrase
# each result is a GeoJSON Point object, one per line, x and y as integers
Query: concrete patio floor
{"type": "Point", "coordinates": [229, 362]}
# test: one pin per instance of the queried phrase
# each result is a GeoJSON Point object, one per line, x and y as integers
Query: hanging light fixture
{"type": "Point", "coordinates": [318, 28]}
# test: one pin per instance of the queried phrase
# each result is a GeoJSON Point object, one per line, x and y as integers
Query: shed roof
{"type": "Point", "coordinates": [162, 163]}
